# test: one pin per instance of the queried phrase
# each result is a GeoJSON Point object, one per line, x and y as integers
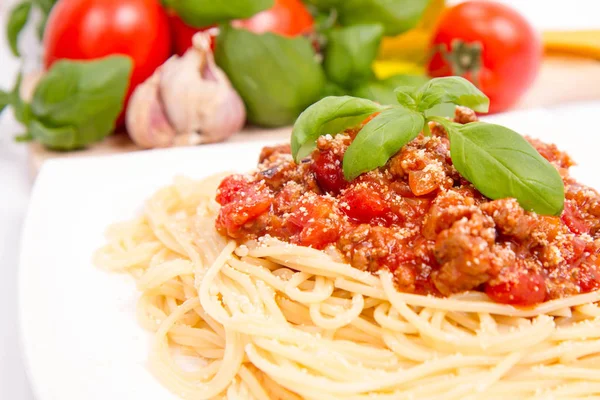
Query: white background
{"type": "Point", "coordinates": [15, 179]}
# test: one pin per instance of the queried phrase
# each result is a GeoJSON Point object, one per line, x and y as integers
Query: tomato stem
{"type": "Point", "coordinates": [464, 58]}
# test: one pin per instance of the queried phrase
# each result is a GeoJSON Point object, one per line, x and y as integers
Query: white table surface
{"type": "Point", "coordinates": [15, 180]}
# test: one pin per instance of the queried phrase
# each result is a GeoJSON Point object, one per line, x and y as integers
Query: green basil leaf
{"type": "Point", "coordinates": [350, 53]}
{"type": "Point", "coordinates": [382, 91]}
{"type": "Point", "coordinates": [21, 110]}
{"type": "Point", "coordinates": [396, 16]}
{"type": "Point", "coordinates": [202, 13]}
{"type": "Point", "coordinates": [16, 22]}
{"type": "Point", "coordinates": [61, 138]}
{"type": "Point", "coordinates": [277, 77]}
{"type": "Point", "coordinates": [500, 163]}
{"type": "Point", "coordinates": [380, 139]}
{"type": "Point", "coordinates": [441, 110]}
{"type": "Point", "coordinates": [452, 89]}
{"type": "Point", "coordinates": [332, 89]}
{"type": "Point", "coordinates": [86, 96]}
{"type": "Point", "coordinates": [325, 4]}
{"type": "Point", "coordinates": [329, 115]}
{"type": "Point", "coordinates": [45, 5]}
{"type": "Point", "coordinates": [5, 100]}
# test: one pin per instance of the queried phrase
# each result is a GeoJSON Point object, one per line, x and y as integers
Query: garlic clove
{"type": "Point", "coordinates": [198, 97]}
{"type": "Point", "coordinates": [146, 121]}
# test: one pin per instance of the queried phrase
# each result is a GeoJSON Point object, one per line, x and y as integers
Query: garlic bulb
{"type": "Point", "coordinates": [145, 119]}
{"type": "Point", "coordinates": [194, 97]}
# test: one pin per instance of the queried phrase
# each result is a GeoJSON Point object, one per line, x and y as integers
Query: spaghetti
{"type": "Point", "coordinates": [271, 320]}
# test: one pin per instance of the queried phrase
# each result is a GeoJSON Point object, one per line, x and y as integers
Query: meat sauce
{"type": "Point", "coordinates": [418, 218]}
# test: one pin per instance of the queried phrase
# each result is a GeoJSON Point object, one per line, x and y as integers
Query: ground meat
{"type": "Point", "coordinates": [418, 218]}
{"type": "Point", "coordinates": [464, 115]}
{"type": "Point", "coordinates": [465, 255]}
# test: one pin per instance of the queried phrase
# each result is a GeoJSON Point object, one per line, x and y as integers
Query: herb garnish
{"type": "Point", "coordinates": [499, 162]}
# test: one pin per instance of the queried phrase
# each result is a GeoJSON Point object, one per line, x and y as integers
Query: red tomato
{"type": "Point", "coordinates": [523, 288]}
{"type": "Point", "coordinates": [230, 188]}
{"type": "Point", "coordinates": [182, 34]}
{"type": "Point", "coordinates": [327, 168]}
{"type": "Point", "coordinates": [286, 17]}
{"type": "Point", "coordinates": [363, 204]}
{"type": "Point", "coordinates": [90, 29]}
{"type": "Point", "coordinates": [572, 217]}
{"type": "Point", "coordinates": [243, 209]}
{"type": "Point", "coordinates": [491, 45]}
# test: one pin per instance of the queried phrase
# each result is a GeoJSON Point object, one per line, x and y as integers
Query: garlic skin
{"type": "Point", "coordinates": [187, 101]}
{"type": "Point", "coordinates": [198, 97]}
{"type": "Point", "coordinates": [146, 121]}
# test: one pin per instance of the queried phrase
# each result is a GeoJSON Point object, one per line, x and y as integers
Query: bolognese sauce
{"type": "Point", "coordinates": [418, 218]}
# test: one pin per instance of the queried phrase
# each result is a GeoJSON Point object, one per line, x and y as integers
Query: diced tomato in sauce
{"type": "Point", "coordinates": [418, 218]}
{"type": "Point", "coordinates": [363, 204]}
{"type": "Point", "coordinates": [573, 219]}
{"type": "Point", "coordinates": [230, 188]}
{"type": "Point", "coordinates": [235, 214]}
{"type": "Point", "coordinates": [327, 168]}
{"type": "Point", "coordinates": [522, 288]}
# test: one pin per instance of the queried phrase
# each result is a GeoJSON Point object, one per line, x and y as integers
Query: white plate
{"type": "Point", "coordinates": [81, 339]}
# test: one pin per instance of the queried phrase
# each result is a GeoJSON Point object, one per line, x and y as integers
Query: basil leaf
{"type": "Point", "coordinates": [382, 91]}
{"type": "Point", "coordinates": [45, 7]}
{"type": "Point", "coordinates": [86, 96]}
{"type": "Point", "coordinates": [5, 100]}
{"type": "Point", "coordinates": [60, 138]}
{"type": "Point", "coordinates": [325, 4]}
{"type": "Point", "coordinates": [329, 115]}
{"type": "Point", "coordinates": [453, 89]}
{"type": "Point", "coordinates": [332, 89]}
{"type": "Point", "coordinates": [380, 139]}
{"type": "Point", "coordinates": [16, 22]}
{"type": "Point", "coordinates": [350, 53]}
{"type": "Point", "coordinates": [202, 13]}
{"type": "Point", "coordinates": [277, 77]}
{"type": "Point", "coordinates": [396, 16]}
{"type": "Point", "coordinates": [500, 163]}
{"type": "Point", "coordinates": [21, 110]}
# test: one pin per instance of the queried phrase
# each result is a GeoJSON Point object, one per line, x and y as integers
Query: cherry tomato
{"type": "Point", "coordinates": [287, 18]}
{"type": "Point", "coordinates": [90, 29]}
{"type": "Point", "coordinates": [491, 45]}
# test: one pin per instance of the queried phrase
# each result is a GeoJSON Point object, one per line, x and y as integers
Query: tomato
{"type": "Point", "coordinates": [255, 201]}
{"type": "Point", "coordinates": [287, 18]}
{"type": "Point", "coordinates": [182, 34]}
{"type": "Point", "coordinates": [230, 189]}
{"type": "Point", "coordinates": [90, 29]}
{"type": "Point", "coordinates": [521, 287]}
{"type": "Point", "coordinates": [327, 168]}
{"type": "Point", "coordinates": [572, 217]}
{"type": "Point", "coordinates": [363, 204]}
{"type": "Point", "coordinates": [491, 45]}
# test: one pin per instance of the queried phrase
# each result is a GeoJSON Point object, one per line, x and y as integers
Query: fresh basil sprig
{"type": "Point", "coordinates": [76, 103]}
{"type": "Point", "coordinates": [499, 162]}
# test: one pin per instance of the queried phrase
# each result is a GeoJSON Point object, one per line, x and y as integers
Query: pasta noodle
{"type": "Point", "coordinates": [270, 320]}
